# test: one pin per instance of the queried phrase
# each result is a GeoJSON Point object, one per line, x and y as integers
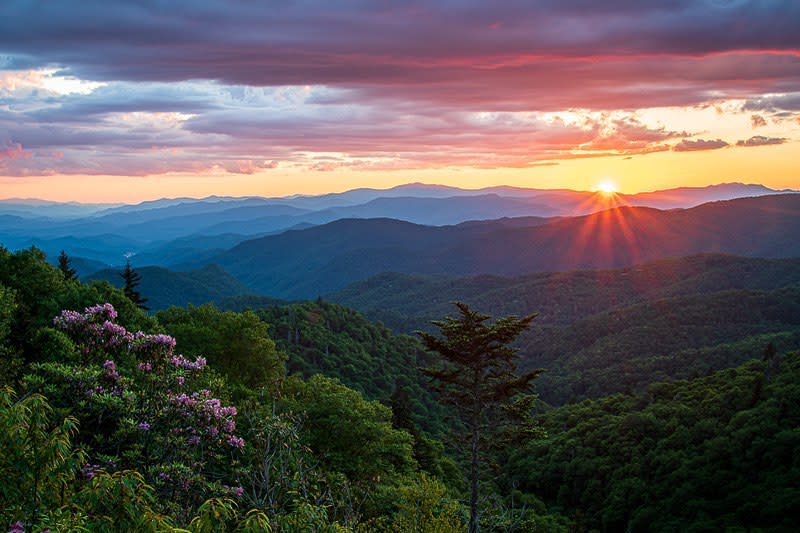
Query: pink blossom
{"type": "Point", "coordinates": [181, 362]}
{"type": "Point", "coordinates": [111, 370]}
{"type": "Point", "coordinates": [107, 310]}
{"type": "Point", "coordinates": [90, 470]}
{"type": "Point", "coordinates": [67, 319]}
{"type": "Point", "coordinates": [152, 344]}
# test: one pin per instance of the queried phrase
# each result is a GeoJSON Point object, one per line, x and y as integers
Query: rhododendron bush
{"type": "Point", "coordinates": [108, 424]}
{"type": "Point", "coordinates": [142, 405]}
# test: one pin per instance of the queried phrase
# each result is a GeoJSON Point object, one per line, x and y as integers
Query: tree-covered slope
{"type": "Point", "coordinates": [602, 332]}
{"type": "Point", "coordinates": [710, 454]}
{"type": "Point", "coordinates": [164, 288]}
{"type": "Point", "coordinates": [325, 338]}
{"type": "Point", "coordinates": [629, 347]}
{"type": "Point", "coordinates": [104, 427]}
{"type": "Point", "coordinates": [407, 302]}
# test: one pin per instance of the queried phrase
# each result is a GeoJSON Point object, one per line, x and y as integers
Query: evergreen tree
{"type": "Point", "coordinates": [65, 266]}
{"type": "Point", "coordinates": [132, 280]}
{"type": "Point", "coordinates": [477, 376]}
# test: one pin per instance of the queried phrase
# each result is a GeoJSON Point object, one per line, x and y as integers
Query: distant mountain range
{"type": "Point", "coordinates": [323, 259]}
{"type": "Point", "coordinates": [307, 246]}
{"type": "Point", "coordinates": [171, 232]}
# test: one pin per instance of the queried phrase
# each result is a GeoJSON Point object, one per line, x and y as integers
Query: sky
{"type": "Point", "coordinates": [131, 100]}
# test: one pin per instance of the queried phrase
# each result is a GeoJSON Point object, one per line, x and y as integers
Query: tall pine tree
{"type": "Point", "coordinates": [477, 376]}
{"type": "Point", "coordinates": [132, 280]}
{"type": "Point", "coordinates": [65, 266]}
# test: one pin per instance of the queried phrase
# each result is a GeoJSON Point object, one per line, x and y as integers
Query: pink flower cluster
{"type": "Point", "coordinates": [152, 343]}
{"type": "Point", "coordinates": [181, 362]}
{"type": "Point", "coordinates": [111, 370]}
{"type": "Point", "coordinates": [95, 329]}
{"type": "Point", "coordinates": [105, 310]}
{"type": "Point", "coordinates": [209, 415]}
{"type": "Point", "coordinates": [90, 470]}
{"type": "Point", "coordinates": [191, 428]}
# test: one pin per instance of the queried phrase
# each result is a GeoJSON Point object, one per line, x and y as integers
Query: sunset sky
{"type": "Point", "coordinates": [123, 101]}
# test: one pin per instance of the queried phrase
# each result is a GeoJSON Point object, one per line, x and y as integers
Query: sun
{"type": "Point", "coordinates": [607, 187]}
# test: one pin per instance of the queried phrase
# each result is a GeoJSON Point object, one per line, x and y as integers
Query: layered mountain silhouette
{"type": "Point", "coordinates": [306, 246]}
{"type": "Point", "coordinates": [320, 260]}
{"type": "Point", "coordinates": [105, 233]}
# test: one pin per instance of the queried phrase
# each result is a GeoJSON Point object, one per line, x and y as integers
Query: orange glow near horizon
{"type": "Point", "coordinates": [772, 166]}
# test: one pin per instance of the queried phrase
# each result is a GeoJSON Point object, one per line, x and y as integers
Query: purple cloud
{"type": "Point", "coordinates": [774, 103]}
{"type": "Point", "coordinates": [760, 140]}
{"type": "Point", "coordinates": [687, 145]}
{"type": "Point", "coordinates": [757, 121]}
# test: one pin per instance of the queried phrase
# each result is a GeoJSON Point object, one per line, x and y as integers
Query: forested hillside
{"type": "Point", "coordinates": [406, 302]}
{"type": "Point", "coordinates": [717, 453]}
{"type": "Point", "coordinates": [307, 416]}
{"type": "Point", "coordinates": [164, 288]}
{"type": "Point", "coordinates": [107, 424]}
{"type": "Point", "coordinates": [627, 348]}
{"type": "Point", "coordinates": [604, 332]}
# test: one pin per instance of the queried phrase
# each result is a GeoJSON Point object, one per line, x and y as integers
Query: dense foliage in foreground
{"type": "Point", "coordinates": [306, 417]}
{"type": "Point", "coordinates": [107, 423]}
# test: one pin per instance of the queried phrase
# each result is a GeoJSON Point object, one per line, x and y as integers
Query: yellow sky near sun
{"type": "Point", "coordinates": [774, 166]}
